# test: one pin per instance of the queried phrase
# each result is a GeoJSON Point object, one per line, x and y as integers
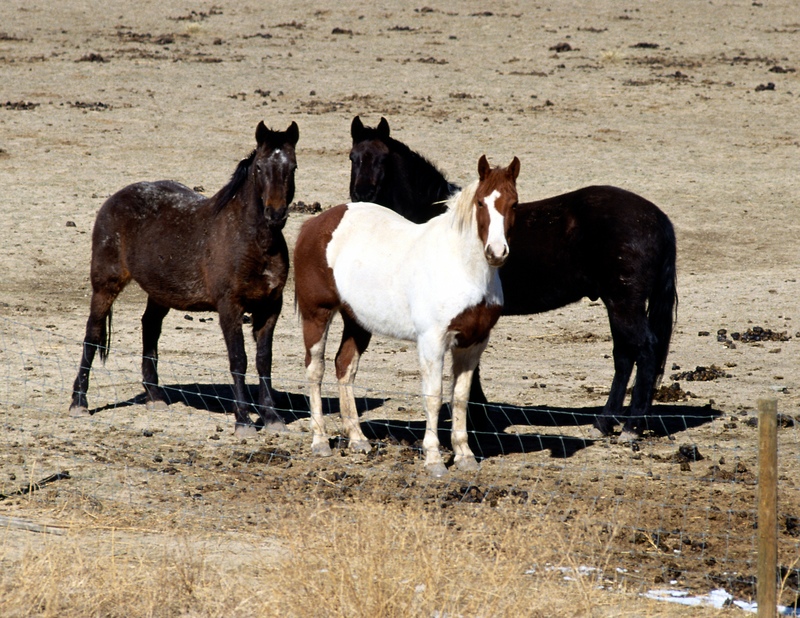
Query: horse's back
{"type": "Point", "coordinates": [371, 230]}
{"type": "Point", "coordinates": [143, 200]}
{"type": "Point", "coordinates": [583, 243]}
{"type": "Point", "coordinates": [147, 231]}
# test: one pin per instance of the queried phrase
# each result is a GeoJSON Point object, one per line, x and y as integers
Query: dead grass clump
{"type": "Point", "coordinates": [81, 577]}
{"type": "Point", "coordinates": [320, 559]}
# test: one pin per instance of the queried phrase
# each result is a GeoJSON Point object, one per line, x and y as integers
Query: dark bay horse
{"type": "Point", "coordinates": [435, 283]}
{"type": "Point", "coordinates": [225, 253]}
{"type": "Point", "coordinates": [599, 241]}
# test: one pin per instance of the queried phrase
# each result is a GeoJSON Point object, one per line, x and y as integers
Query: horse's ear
{"type": "Point", "coordinates": [356, 129]}
{"type": "Point", "coordinates": [383, 128]}
{"type": "Point", "coordinates": [483, 167]}
{"type": "Point", "coordinates": [293, 133]}
{"type": "Point", "coordinates": [262, 133]}
{"type": "Point", "coordinates": [513, 169]}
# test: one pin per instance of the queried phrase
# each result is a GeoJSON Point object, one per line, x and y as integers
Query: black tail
{"type": "Point", "coordinates": [106, 337]}
{"type": "Point", "coordinates": [662, 309]}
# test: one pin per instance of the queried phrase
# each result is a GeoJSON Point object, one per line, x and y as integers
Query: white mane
{"type": "Point", "coordinates": [460, 206]}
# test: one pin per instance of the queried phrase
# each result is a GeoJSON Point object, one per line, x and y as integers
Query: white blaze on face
{"type": "Point", "coordinates": [279, 154]}
{"type": "Point", "coordinates": [496, 246]}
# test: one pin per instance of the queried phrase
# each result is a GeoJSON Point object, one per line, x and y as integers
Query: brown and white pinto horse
{"type": "Point", "coordinates": [434, 283]}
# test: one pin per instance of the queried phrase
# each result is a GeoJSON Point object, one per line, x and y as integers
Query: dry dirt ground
{"type": "Point", "coordinates": [693, 105]}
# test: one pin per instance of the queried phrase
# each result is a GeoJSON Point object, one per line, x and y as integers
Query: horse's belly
{"type": "Point", "coordinates": [378, 307]}
{"type": "Point", "coordinates": [185, 294]}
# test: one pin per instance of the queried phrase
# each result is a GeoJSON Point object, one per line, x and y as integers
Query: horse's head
{"type": "Point", "coordinates": [273, 170]}
{"type": "Point", "coordinates": [368, 159]}
{"type": "Point", "coordinates": [496, 203]}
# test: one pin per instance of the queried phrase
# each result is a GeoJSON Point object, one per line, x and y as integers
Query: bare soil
{"type": "Point", "coordinates": [692, 105]}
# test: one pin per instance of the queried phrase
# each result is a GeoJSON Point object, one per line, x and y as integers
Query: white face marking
{"type": "Point", "coordinates": [278, 153]}
{"type": "Point", "coordinates": [495, 238]}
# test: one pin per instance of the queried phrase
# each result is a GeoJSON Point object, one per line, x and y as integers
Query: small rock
{"type": "Point", "coordinates": [689, 452]}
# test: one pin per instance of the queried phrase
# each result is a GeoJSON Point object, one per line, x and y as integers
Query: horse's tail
{"type": "Point", "coordinates": [662, 309]}
{"type": "Point", "coordinates": [105, 336]}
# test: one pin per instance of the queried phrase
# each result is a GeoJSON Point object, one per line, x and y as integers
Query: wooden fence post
{"type": "Point", "coordinates": [766, 583]}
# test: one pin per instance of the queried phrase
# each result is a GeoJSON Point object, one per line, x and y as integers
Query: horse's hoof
{"type": "Point", "coordinates": [467, 464]}
{"type": "Point", "coordinates": [156, 406]}
{"type": "Point", "coordinates": [79, 411]}
{"type": "Point", "coordinates": [245, 431]}
{"type": "Point", "coordinates": [628, 435]}
{"type": "Point", "coordinates": [436, 470]}
{"type": "Point", "coordinates": [275, 427]}
{"type": "Point", "coordinates": [360, 446]}
{"type": "Point", "coordinates": [596, 434]}
{"type": "Point", "coordinates": [322, 449]}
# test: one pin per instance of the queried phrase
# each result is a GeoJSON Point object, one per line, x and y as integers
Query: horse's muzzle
{"type": "Point", "coordinates": [496, 260]}
{"type": "Point", "coordinates": [365, 194]}
{"type": "Point", "coordinates": [276, 217]}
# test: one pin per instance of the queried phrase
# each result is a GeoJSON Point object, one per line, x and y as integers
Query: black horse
{"type": "Point", "coordinates": [225, 253]}
{"type": "Point", "coordinates": [599, 241]}
{"type": "Point", "coordinates": [388, 172]}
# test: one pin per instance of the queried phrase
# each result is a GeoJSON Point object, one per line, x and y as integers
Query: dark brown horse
{"type": "Point", "coordinates": [225, 253]}
{"type": "Point", "coordinates": [600, 242]}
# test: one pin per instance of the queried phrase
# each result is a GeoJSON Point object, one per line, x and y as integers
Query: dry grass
{"type": "Point", "coordinates": [355, 560]}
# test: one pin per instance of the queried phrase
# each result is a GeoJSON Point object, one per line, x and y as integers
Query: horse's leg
{"type": "Point", "coordinates": [264, 320]}
{"type": "Point", "coordinates": [465, 362]}
{"type": "Point", "coordinates": [628, 324]}
{"type": "Point", "coordinates": [477, 415]}
{"type": "Point", "coordinates": [315, 334]}
{"type": "Point", "coordinates": [646, 373]}
{"type": "Point", "coordinates": [431, 360]}
{"type": "Point", "coordinates": [230, 320]}
{"type": "Point", "coordinates": [152, 319]}
{"type": "Point", "coordinates": [96, 338]}
{"type": "Point", "coordinates": [354, 341]}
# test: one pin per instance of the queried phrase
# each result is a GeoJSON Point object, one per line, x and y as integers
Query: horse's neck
{"type": "Point", "coordinates": [466, 244]}
{"type": "Point", "coordinates": [419, 189]}
{"type": "Point", "coordinates": [245, 205]}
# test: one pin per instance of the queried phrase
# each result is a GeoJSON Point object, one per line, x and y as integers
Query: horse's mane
{"type": "Point", "coordinates": [228, 192]}
{"type": "Point", "coordinates": [413, 156]}
{"type": "Point", "coordinates": [424, 173]}
{"type": "Point", "coordinates": [461, 207]}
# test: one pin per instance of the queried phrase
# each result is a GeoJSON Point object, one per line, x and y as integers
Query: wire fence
{"type": "Point", "coordinates": [676, 508]}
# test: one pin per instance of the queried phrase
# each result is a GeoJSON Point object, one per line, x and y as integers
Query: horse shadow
{"type": "Point", "coordinates": [488, 422]}
{"type": "Point", "coordinates": [488, 438]}
{"type": "Point", "coordinates": [219, 399]}
{"type": "Point", "coordinates": [486, 426]}
{"type": "Point", "coordinates": [484, 444]}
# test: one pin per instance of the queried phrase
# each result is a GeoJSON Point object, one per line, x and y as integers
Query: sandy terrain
{"type": "Point", "coordinates": [692, 105]}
